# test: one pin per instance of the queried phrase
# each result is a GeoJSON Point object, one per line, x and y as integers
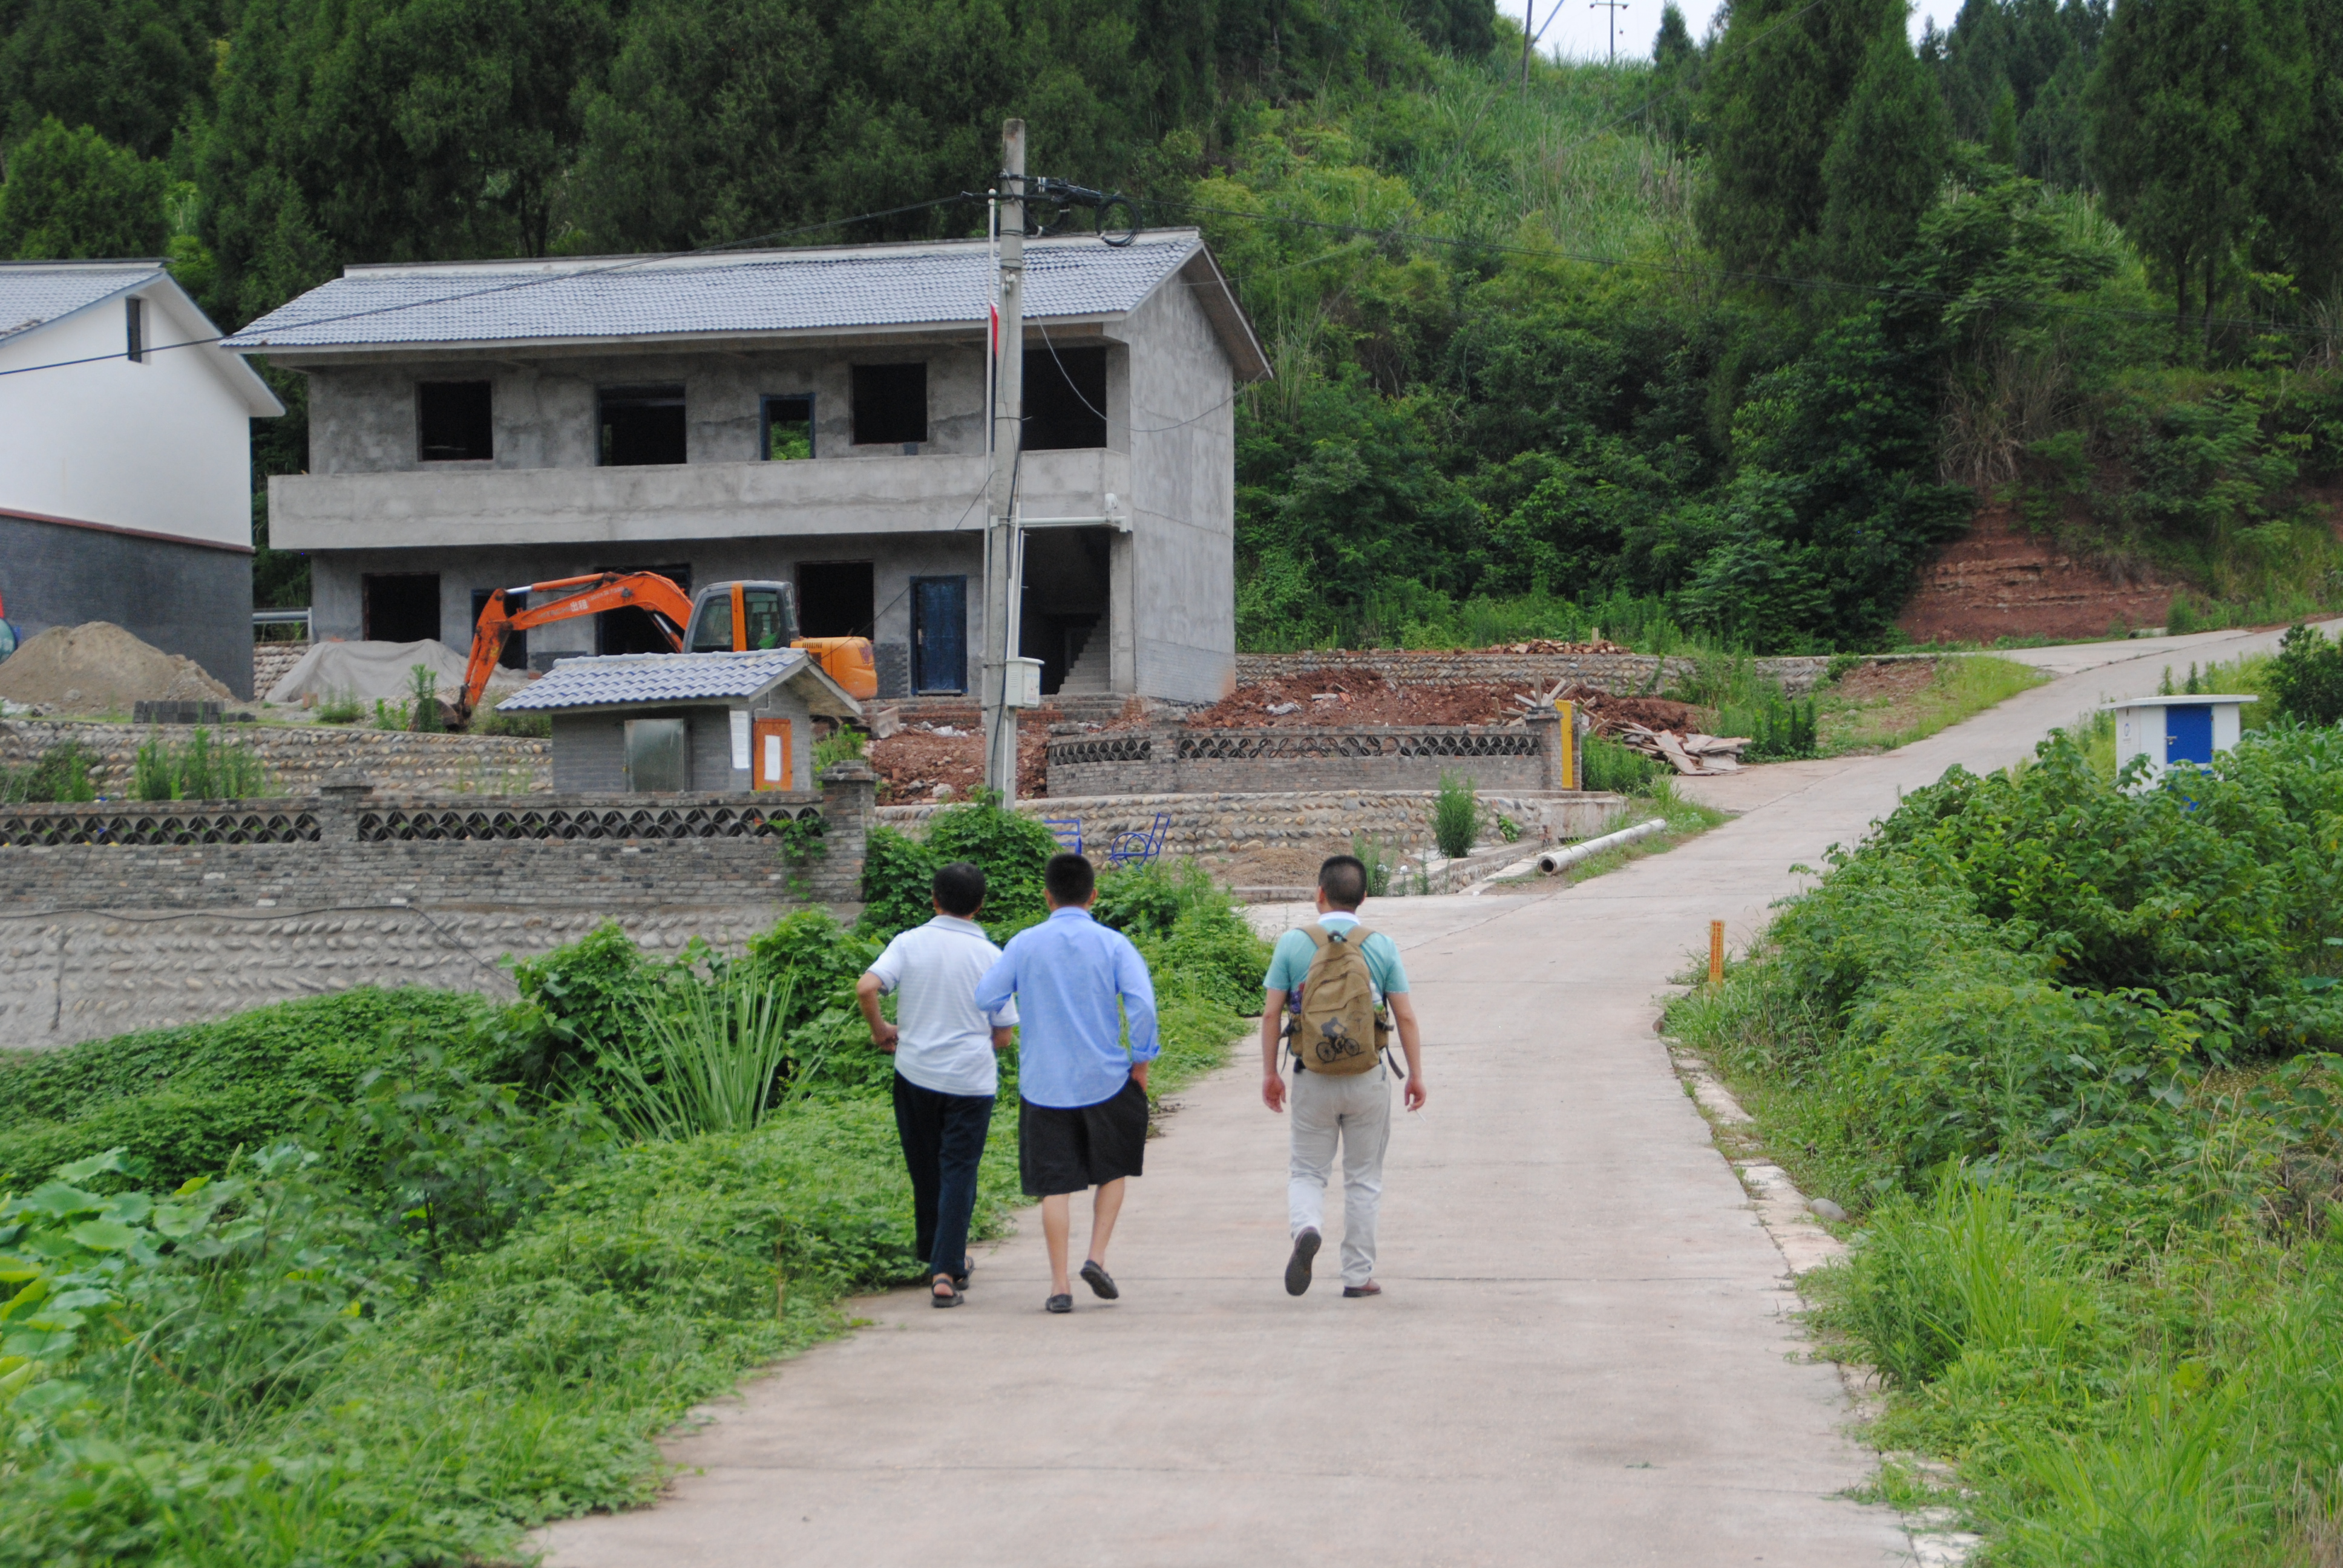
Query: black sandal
{"type": "Point", "coordinates": [949, 1296]}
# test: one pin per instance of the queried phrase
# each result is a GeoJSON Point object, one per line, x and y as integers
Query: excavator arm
{"type": "Point", "coordinates": [670, 606]}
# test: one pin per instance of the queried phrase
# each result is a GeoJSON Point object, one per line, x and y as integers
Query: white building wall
{"type": "Point", "coordinates": [162, 444]}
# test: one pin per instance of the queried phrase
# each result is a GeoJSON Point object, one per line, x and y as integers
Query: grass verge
{"type": "Point", "coordinates": [1851, 719]}
{"type": "Point", "coordinates": [1687, 820]}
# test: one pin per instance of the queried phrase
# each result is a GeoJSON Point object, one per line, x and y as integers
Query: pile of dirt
{"type": "Point", "coordinates": [912, 762]}
{"type": "Point", "coordinates": [98, 668]}
{"type": "Point", "coordinates": [1547, 645]}
{"type": "Point", "coordinates": [1611, 715]}
{"type": "Point", "coordinates": [1354, 699]}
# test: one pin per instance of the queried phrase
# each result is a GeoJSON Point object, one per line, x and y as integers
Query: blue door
{"type": "Point", "coordinates": [940, 634]}
{"type": "Point", "coordinates": [2188, 734]}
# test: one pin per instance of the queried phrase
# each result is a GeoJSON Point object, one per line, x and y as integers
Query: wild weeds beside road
{"type": "Point", "coordinates": [376, 1279]}
{"type": "Point", "coordinates": [2066, 1053]}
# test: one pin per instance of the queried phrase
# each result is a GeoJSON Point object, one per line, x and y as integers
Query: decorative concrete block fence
{"type": "Point", "coordinates": [1171, 760]}
{"type": "Point", "coordinates": [299, 757]}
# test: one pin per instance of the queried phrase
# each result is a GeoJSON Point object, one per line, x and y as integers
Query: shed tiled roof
{"type": "Point", "coordinates": [35, 293]}
{"type": "Point", "coordinates": [942, 284]}
{"type": "Point", "coordinates": [599, 682]}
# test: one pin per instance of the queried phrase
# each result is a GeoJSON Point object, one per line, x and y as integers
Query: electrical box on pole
{"type": "Point", "coordinates": [1001, 606]}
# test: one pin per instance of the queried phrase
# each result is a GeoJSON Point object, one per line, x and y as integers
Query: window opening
{"type": "Point", "coordinates": [765, 617]}
{"type": "Point", "coordinates": [640, 426]}
{"type": "Point", "coordinates": [657, 757]}
{"type": "Point", "coordinates": [454, 421]}
{"type": "Point", "coordinates": [402, 607]}
{"type": "Point", "coordinates": [715, 624]}
{"type": "Point", "coordinates": [890, 405]}
{"type": "Point", "coordinates": [516, 654]}
{"type": "Point", "coordinates": [134, 330]}
{"type": "Point", "coordinates": [789, 429]}
{"type": "Point", "coordinates": [631, 629]}
{"type": "Point", "coordinates": [835, 598]}
{"type": "Point", "coordinates": [1065, 399]}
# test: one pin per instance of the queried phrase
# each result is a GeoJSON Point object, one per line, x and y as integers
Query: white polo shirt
{"type": "Point", "coordinates": [944, 1041]}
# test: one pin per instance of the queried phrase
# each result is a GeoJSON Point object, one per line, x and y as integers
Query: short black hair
{"type": "Point", "coordinates": [1343, 879]}
{"type": "Point", "coordinates": [960, 888]}
{"type": "Point", "coordinates": [1070, 879]}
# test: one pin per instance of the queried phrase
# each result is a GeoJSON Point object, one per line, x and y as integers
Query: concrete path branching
{"type": "Point", "coordinates": [1585, 1353]}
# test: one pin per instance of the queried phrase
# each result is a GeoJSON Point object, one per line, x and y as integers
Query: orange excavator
{"type": "Point", "coordinates": [722, 618]}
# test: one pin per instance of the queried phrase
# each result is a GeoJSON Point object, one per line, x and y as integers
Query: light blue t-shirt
{"type": "Point", "coordinates": [1288, 962]}
{"type": "Point", "coordinates": [1068, 975]}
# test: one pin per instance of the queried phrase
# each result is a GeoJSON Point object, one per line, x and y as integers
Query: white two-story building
{"type": "Point", "coordinates": [125, 461]}
{"type": "Point", "coordinates": [815, 416]}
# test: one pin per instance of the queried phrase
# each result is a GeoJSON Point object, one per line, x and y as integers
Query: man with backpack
{"type": "Point", "coordinates": [1340, 978]}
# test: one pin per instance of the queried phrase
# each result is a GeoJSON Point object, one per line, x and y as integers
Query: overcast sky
{"type": "Point", "coordinates": [1580, 31]}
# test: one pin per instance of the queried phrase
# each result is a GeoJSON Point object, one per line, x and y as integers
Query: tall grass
{"type": "Point", "coordinates": [707, 1057]}
{"type": "Point", "coordinates": [196, 770]}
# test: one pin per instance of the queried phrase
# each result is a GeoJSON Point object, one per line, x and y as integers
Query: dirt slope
{"type": "Point", "coordinates": [1999, 581]}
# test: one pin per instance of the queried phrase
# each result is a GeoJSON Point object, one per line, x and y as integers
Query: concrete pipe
{"type": "Point", "coordinates": [1554, 860]}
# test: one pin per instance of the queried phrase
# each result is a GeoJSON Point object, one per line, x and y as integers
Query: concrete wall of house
{"type": "Point", "coordinates": [337, 581]}
{"type": "Point", "coordinates": [194, 600]}
{"type": "Point", "coordinates": [1180, 574]}
{"type": "Point", "coordinates": [162, 444]}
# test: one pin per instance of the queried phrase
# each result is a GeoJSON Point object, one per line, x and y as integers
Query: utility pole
{"type": "Point", "coordinates": [1615, 7]}
{"type": "Point", "coordinates": [1008, 434]}
{"type": "Point", "coordinates": [1529, 14]}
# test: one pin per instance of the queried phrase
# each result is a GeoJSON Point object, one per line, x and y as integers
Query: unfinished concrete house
{"type": "Point", "coordinates": [812, 415]}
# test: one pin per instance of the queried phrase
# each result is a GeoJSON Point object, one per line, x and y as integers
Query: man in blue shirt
{"type": "Point", "coordinates": [1353, 1111]}
{"type": "Point", "coordinates": [1082, 1118]}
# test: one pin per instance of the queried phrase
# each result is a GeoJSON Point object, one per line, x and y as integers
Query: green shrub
{"type": "Point", "coordinates": [1606, 765]}
{"type": "Point", "coordinates": [423, 687]}
{"type": "Point", "coordinates": [63, 774]}
{"type": "Point", "coordinates": [1013, 850]}
{"type": "Point", "coordinates": [1455, 816]}
{"type": "Point", "coordinates": [1376, 856]}
{"type": "Point", "coordinates": [843, 744]}
{"type": "Point", "coordinates": [2308, 677]}
{"type": "Point", "coordinates": [196, 770]}
{"type": "Point", "coordinates": [527, 725]}
{"type": "Point", "coordinates": [340, 706]}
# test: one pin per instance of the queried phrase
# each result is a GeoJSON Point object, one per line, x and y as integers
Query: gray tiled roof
{"type": "Point", "coordinates": [765, 291]}
{"type": "Point", "coordinates": [653, 677]}
{"type": "Point", "coordinates": [35, 294]}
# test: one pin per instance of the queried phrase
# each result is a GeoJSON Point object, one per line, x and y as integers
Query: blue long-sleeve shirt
{"type": "Point", "coordinates": [1066, 974]}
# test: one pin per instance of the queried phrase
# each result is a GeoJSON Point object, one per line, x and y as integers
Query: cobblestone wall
{"type": "Point", "coordinates": [1219, 824]}
{"type": "Point", "coordinates": [1615, 673]}
{"type": "Point", "coordinates": [299, 757]}
{"type": "Point", "coordinates": [97, 938]}
{"type": "Point", "coordinates": [270, 661]}
{"type": "Point", "coordinates": [75, 977]}
{"type": "Point", "coordinates": [1171, 760]}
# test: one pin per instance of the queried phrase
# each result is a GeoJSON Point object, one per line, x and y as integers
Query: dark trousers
{"type": "Point", "coordinates": [944, 1139]}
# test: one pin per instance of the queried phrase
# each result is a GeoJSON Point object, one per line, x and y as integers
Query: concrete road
{"type": "Point", "coordinates": [1583, 1355]}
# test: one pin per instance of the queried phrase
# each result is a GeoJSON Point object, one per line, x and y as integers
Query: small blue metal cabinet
{"type": "Point", "coordinates": [2169, 730]}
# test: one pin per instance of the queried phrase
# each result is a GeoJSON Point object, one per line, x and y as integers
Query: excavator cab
{"type": "Point", "coordinates": [739, 616]}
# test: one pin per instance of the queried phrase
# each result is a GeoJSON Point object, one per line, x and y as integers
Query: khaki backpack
{"type": "Point", "coordinates": [1337, 1030]}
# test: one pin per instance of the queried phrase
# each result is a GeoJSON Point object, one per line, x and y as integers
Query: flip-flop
{"type": "Point", "coordinates": [1101, 1283]}
{"type": "Point", "coordinates": [1058, 1304]}
{"type": "Point", "coordinates": [1297, 1267]}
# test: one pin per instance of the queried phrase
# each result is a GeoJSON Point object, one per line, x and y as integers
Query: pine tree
{"type": "Point", "coordinates": [2195, 104]}
{"type": "Point", "coordinates": [1675, 78]}
{"type": "Point", "coordinates": [71, 195]}
{"type": "Point", "coordinates": [1778, 82]}
{"type": "Point", "coordinates": [1885, 164]}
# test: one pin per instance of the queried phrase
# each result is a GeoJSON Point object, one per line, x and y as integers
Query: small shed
{"type": "Point", "coordinates": [704, 722]}
{"type": "Point", "coordinates": [2174, 729]}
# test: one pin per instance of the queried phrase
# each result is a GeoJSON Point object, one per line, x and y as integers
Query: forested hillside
{"type": "Point", "coordinates": [1721, 345]}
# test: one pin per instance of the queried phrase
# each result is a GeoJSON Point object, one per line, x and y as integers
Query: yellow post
{"type": "Point", "coordinates": [1569, 711]}
{"type": "Point", "coordinates": [1715, 951]}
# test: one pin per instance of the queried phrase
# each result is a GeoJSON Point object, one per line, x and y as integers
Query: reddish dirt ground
{"type": "Point", "coordinates": [1999, 581]}
{"type": "Point", "coordinates": [911, 763]}
{"type": "Point", "coordinates": [1349, 699]}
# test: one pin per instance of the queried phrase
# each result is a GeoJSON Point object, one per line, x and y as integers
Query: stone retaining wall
{"type": "Point", "coordinates": [66, 977]}
{"type": "Point", "coordinates": [270, 661]}
{"type": "Point", "coordinates": [1172, 760]}
{"type": "Point", "coordinates": [298, 758]}
{"type": "Point", "coordinates": [1617, 673]}
{"type": "Point", "coordinates": [1221, 824]}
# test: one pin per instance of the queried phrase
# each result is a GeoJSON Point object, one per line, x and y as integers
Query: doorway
{"type": "Point", "coordinates": [836, 598]}
{"type": "Point", "coordinates": [938, 634]}
{"type": "Point", "coordinates": [402, 607]}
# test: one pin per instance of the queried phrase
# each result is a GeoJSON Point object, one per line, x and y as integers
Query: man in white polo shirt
{"type": "Point", "coordinates": [945, 1074]}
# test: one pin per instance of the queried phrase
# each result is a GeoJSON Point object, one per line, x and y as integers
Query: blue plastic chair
{"type": "Point", "coordinates": [1067, 830]}
{"type": "Point", "coordinates": [1139, 846]}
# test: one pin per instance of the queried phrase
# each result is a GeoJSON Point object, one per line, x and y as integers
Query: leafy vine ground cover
{"type": "Point", "coordinates": [377, 1279]}
{"type": "Point", "coordinates": [2067, 1052]}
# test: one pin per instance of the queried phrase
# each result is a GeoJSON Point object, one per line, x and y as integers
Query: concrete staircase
{"type": "Point", "coordinates": [1089, 674]}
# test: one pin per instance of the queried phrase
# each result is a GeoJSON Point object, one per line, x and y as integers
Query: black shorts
{"type": "Point", "coordinates": [1068, 1148]}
